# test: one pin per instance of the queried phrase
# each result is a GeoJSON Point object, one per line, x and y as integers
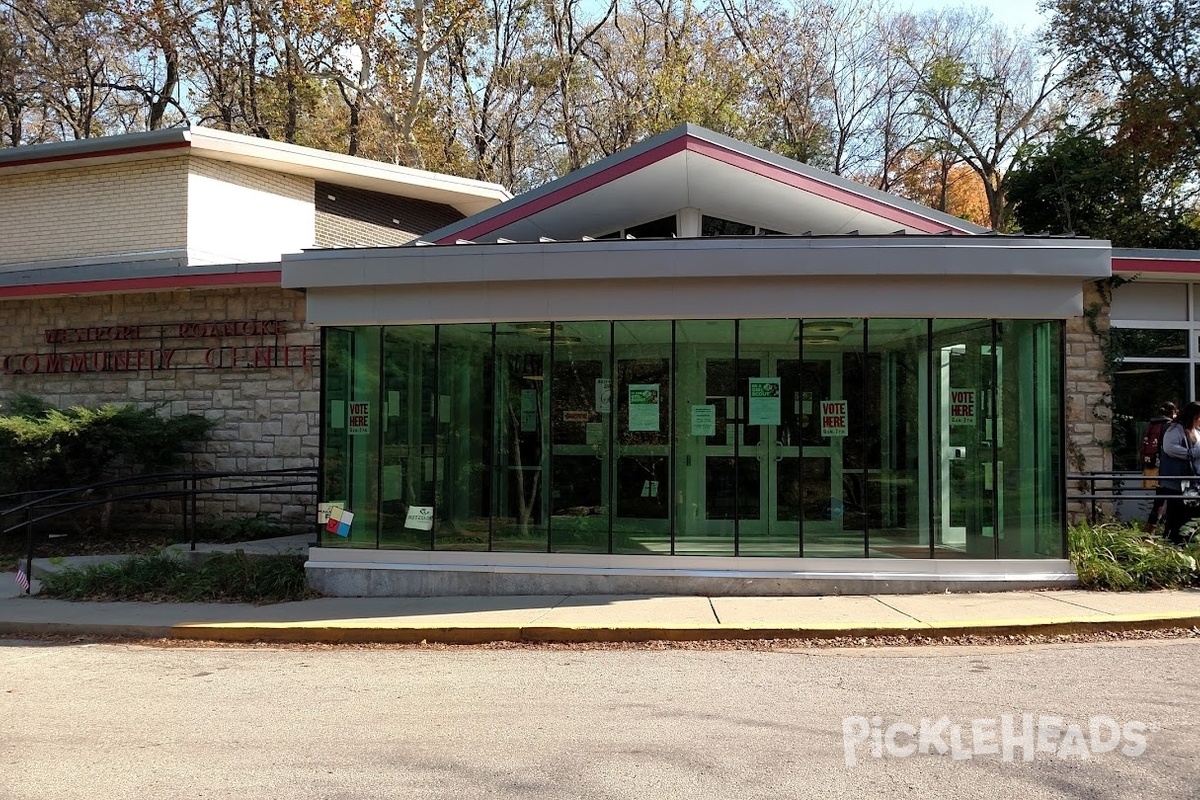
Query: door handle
{"type": "Point", "coordinates": [778, 452]}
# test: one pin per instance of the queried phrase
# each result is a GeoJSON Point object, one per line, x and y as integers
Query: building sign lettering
{"type": "Point", "coordinates": [171, 346]}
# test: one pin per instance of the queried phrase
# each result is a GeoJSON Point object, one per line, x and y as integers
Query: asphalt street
{"type": "Point", "coordinates": [111, 721]}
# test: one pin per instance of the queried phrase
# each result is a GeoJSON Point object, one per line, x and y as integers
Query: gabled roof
{"type": "Point", "coordinates": [466, 195]}
{"type": "Point", "coordinates": [691, 167]}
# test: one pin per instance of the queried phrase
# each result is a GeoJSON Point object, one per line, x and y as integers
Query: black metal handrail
{"type": "Point", "coordinates": [42, 505]}
{"type": "Point", "coordinates": [1121, 486]}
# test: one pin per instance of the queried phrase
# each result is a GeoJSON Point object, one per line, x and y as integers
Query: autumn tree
{"type": "Point", "coordinates": [936, 177]}
{"type": "Point", "coordinates": [988, 93]}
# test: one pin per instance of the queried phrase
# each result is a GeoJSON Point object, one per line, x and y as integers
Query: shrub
{"type": "Point", "coordinates": [1120, 557]}
{"type": "Point", "coordinates": [219, 577]}
{"type": "Point", "coordinates": [44, 447]}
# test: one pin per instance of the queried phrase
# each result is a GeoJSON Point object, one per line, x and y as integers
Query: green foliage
{"type": "Point", "coordinates": [242, 529]}
{"type": "Point", "coordinates": [1083, 184]}
{"type": "Point", "coordinates": [1116, 557]}
{"type": "Point", "coordinates": [220, 577]}
{"type": "Point", "coordinates": [44, 447]}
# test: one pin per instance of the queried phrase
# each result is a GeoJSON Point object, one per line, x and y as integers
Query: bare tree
{"type": "Point", "coordinates": [987, 92]}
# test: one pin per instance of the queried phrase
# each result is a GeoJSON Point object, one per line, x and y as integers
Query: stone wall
{"type": "Point", "coordinates": [1088, 391]}
{"type": "Point", "coordinates": [262, 390]}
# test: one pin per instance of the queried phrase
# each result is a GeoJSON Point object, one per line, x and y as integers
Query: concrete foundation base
{"type": "Point", "coordinates": [376, 573]}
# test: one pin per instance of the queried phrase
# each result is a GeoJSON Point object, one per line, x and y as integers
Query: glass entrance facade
{"type": "Point", "coordinates": [853, 438]}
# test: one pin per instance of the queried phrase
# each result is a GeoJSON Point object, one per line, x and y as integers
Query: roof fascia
{"type": "Point", "coordinates": [1159, 263]}
{"type": "Point", "coordinates": [699, 140]}
{"type": "Point", "coordinates": [466, 195]}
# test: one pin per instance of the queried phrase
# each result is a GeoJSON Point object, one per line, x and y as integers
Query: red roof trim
{"type": "Point", "coordinates": [1155, 265]}
{"type": "Point", "coordinates": [151, 284]}
{"type": "Point", "coordinates": [691, 143]}
{"type": "Point", "coordinates": [117, 151]}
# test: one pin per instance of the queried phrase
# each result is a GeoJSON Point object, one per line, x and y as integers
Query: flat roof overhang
{"type": "Point", "coordinates": [160, 271]}
{"type": "Point", "coordinates": [464, 194]}
{"type": "Point", "coordinates": [719, 278]}
{"type": "Point", "coordinates": [1156, 264]}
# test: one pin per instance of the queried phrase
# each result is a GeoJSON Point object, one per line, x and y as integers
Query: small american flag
{"type": "Point", "coordinates": [22, 580]}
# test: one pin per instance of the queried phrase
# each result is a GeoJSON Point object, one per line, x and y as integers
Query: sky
{"type": "Point", "coordinates": [1013, 13]}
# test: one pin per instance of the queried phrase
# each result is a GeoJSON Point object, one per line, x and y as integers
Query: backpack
{"type": "Point", "coordinates": [1152, 443]}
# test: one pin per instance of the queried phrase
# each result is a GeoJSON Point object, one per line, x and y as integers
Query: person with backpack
{"type": "Point", "coordinates": [1149, 454]}
{"type": "Point", "coordinates": [1179, 472]}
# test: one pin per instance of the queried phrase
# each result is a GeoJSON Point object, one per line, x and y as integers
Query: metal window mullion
{"type": "Point", "coordinates": [437, 429]}
{"type": "Point", "coordinates": [672, 466]}
{"type": "Point", "coordinates": [737, 435]}
{"type": "Point", "coordinates": [379, 438]}
{"type": "Point", "coordinates": [931, 443]}
{"type": "Point", "coordinates": [494, 456]}
{"type": "Point", "coordinates": [548, 436]}
{"type": "Point", "coordinates": [865, 373]}
{"type": "Point", "coordinates": [800, 436]}
{"type": "Point", "coordinates": [612, 432]}
{"type": "Point", "coordinates": [995, 438]}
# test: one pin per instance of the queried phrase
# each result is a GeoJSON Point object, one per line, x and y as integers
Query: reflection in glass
{"type": "Point", "coordinates": [412, 464]}
{"type": "Point", "coordinates": [351, 455]}
{"type": "Point", "coordinates": [838, 432]}
{"type": "Point", "coordinates": [964, 504]}
{"type": "Point", "coordinates": [1029, 356]}
{"type": "Point", "coordinates": [1139, 390]}
{"type": "Point", "coordinates": [579, 434]}
{"type": "Point", "coordinates": [522, 455]}
{"type": "Point", "coordinates": [1149, 343]}
{"type": "Point", "coordinates": [466, 430]}
{"type": "Point", "coordinates": [642, 487]}
{"type": "Point", "coordinates": [708, 437]}
{"type": "Point", "coordinates": [766, 437]}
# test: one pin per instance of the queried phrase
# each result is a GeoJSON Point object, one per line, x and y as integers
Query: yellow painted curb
{"type": "Point", "coordinates": [305, 633]}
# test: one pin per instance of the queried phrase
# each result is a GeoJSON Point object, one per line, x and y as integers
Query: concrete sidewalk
{"type": "Point", "coordinates": [605, 618]}
{"type": "Point", "coordinates": [583, 618]}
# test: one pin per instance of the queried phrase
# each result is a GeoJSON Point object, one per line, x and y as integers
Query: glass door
{"type": "Point", "coordinates": [964, 396]}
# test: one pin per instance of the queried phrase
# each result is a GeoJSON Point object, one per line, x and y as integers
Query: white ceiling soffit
{"type": "Point", "coordinates": [466, 195]}
{"type": "Point", "coordinates": [689, 179]}
{"type": "Point", "coordinates": [694, 168]}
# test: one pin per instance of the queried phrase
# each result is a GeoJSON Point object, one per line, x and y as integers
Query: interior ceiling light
{"type": "Point", "coordinates": [533, 328]}
{"type": "Point", "coordinates": [821, 340]}
{"type": "Point", "coordinates": [833, 327]}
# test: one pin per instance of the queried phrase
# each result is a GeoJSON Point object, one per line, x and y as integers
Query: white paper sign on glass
{"type": "Point", "coordinates": [603, 395]}
{"type": "Point", "coordinates": [419, 518]}
{"type": "Point", "coordinates": [359, 419]}
{"type": "Point", "coordinates": [764, 401]}
{"type": "Point", "coordinates": [643, 406]}
{"type": "Point", "coordinates": [704, 420]}
{"type": "Point", "coordinates": [962, 406]}
{"type": "Point", "coordinates": [834, 420]}
{"type": "Point", "coordinates": [529, 414]}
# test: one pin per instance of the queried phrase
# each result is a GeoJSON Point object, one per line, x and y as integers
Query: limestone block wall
{"type": "Point", "coordinates": [261, 389]}
{"type": "Point", "coordinates": [97, 210]}
{"type": "Point", "coordinates": [1088, 391]}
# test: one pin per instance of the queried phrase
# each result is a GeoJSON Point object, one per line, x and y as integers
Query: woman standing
{"type": "Point", "coordinates": [1180, 461]}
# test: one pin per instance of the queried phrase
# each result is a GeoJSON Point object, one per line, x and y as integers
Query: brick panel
{"type": "Point", "coordinates": [105, 209]}
{"type": "Point", "coordinates": [355, 217]}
